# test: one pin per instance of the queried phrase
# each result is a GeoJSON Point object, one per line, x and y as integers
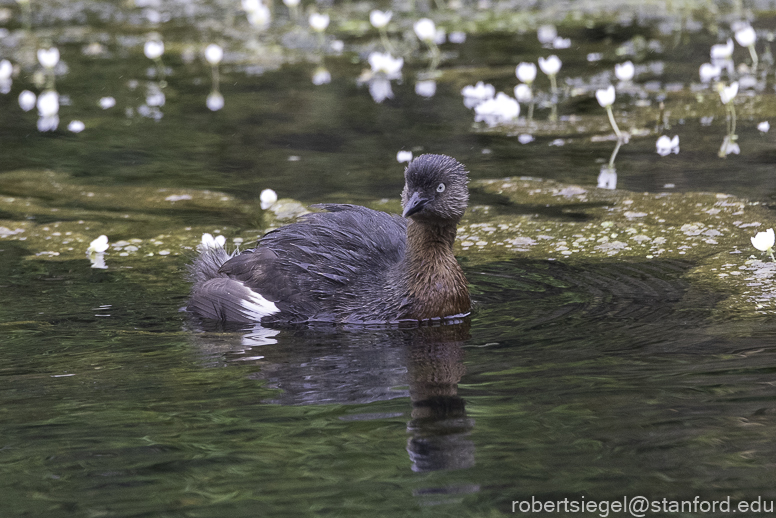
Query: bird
{"type": "Point", "coordinates": [348, 264]}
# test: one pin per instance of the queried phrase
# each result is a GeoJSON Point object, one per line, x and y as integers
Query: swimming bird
{"type": "Point", "coordinates": [348, 264]}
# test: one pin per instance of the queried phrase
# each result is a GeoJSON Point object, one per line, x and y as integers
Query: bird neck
{"type": "Point", "coordinates": [435, 281]}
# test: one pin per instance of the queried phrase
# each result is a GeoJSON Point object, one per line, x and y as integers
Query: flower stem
{"type": "Point", "coordinates": [753, 53]}
{"type": "Point", "coordinates": [613, 123]}
{"type": "Point", "coordinates": [614, 154]}
{"type": "Point", "coordinates": [554, 84]}
{"type": "Point", "coordinates": [435, 55]}
{"type": "Point", "coordinates": [385, 41]}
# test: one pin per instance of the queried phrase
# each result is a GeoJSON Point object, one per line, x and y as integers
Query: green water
{"type": "Point", "coordinates": [603, 373]}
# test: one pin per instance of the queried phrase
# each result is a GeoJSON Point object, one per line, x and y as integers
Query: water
{"type": "Point", "coordinates": [598, 376]}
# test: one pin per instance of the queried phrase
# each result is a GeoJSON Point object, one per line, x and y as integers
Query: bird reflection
{"type": "Point", "coordinates": [439, 427]}
{"type": "Point", "coordinates": [364, 365]}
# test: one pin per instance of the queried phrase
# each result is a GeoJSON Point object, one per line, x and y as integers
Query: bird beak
{"type": "Point", "coordinates": [414, 205]}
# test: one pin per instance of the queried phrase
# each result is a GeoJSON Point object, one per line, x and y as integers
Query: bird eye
{"type": "Point", "coordinates": [441, 188]}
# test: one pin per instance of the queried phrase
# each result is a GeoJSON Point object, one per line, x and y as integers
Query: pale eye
{"type": "Point", "coordinates": [441, 188]}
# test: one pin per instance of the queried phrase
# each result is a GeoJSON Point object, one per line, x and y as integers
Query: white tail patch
{"type": "Point", "coordinates": [257, 306]}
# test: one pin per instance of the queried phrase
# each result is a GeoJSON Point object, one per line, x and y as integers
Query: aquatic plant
{"type": "Point", "coordinates": [551, 66]}
{"type": "Point", "coordinates": [605, 98]}
{"type": "Point", "coordinates": [625, 71]}
{"type": "Point", "coordinates": [404, 156]}
{"type": "Point", "coordinates": [726, 95]}
{"type": "Point", "coordinates": [76, 126]}
{"type": "Point", "coordinates": [210, 242]}
{"type": "Point", "coordinates": [708, 72]}
{"type": "Point", "coordinates": [96, 252]}
{"type": "Point", "coordinates": [665, 145]}
{"type": "Point", "coordinates": [213, 55]}
{"type": "Point", "coordinates": [746, 37]}
{"type": "Point", "coordinates": [27, 100]}
{"type": "Point", "coordinates": [48, 111]}
{"type": "Point", "coordinates": [426, 31]}
{"type": "Point", "coordinates": [267, 198]}
{"type": "Point", "coordinates": [764, 241]}
{"type": "Point", "coordinates": [479, 93]}
{"type": "Point", "coordinates": [379, 20]}
{"type": "Point", "coordinates": [498, 110]}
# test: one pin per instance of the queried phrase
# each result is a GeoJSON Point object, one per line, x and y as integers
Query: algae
{"type": "Point", "coordinates": [57, 216]}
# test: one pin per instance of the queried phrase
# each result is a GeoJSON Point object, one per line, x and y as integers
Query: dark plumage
{"type": "Point", "coordinates": [349, 264]}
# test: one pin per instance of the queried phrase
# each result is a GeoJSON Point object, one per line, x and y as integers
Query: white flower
{"type": "Point", "coordinates": [98, 246]}
{"type": "Point", "coordinates": [523, 93]}
{"type": "Point", "coordinates": [154, 95]}
{"type": "Point", "coordinates": [153, 49]}
{"type": "Point", "coordinates": [479, 91]}
{"type": "Point", "coordinates": [526, 72]}
{"type": "Point", "coordinates": [379, 19]}
{"type": "Point", "coordinates": [404, 156]}
{"type": "Point", "coordinates": [250, 5]}
{"type": "Point", "coordinates": [605, 97]}
{"type": "Point", "coordinates": [260, 17]}
{"type": "Point", "coordinates": [746, 36]}
{"type": "Point", "coordinates": [48, 103]}
{"type": "Point", "coordinates": [764, 126]}
{"type": "Point", "coordinates": [425, 29]}
{"type": "Point", "coordinates": [214, 54]}
{"type": "Point", "coordinates": [214, 101]}
{"type": "Point", "coordinates": [380, 88]}
{"type": "Point", "coordinates": [27, 100]}
{"type": "Point", "coordinates": [291, 3]}
{"type": "Point", "coordinates": [551, 65]}
{"type": "Point", "coordinates": [709, 72]}
{"type": "Point", "coordinates": [268, 197]}
{"type": "Point", "coordinates": [386, 64]}
{"type": "Point", "coordinates": [321, 76]}
{"type": "Point", "coordinates": [665, 146]}
{"type": "Point", "coordinates": [76, 126]}
{"type": "Point", "coordinates": [561, 43]}
{"type": "Point", "coordinates": [107, 102]}
{"type": "Point", "coordinates": [495, 111]}
{"type": "Point", "coordinates": [208, 241]}
{"type": "Point", "coordinates": [764, 240]}
{"type": "Point", "coordinates": [319, 22]}
{"type": "Point", "coordinates": [624, 71]}
{"type": "Point", "coordinates": [49, 123]}
{"type": "Point", "coordinates": [722, 51]}
{"type": "Point", "coordinates": [48, 57]}
{"type": "Point", "coordinates": [426, 88]}
{"type": "Point", "coordinates": [474, 95]}
{"type": "Point", "coordinates": [728, 93]}
{"type": "Point", "coordinates": [546, 34]}
{"type": "Point", "coordinates": [525, 138]}
{"type": "Point", "coordinates": [6, 70]}
{"type": "Point", "coordinates": [607, 178]}
{"type": "Point", "coordinates": [729, 147]}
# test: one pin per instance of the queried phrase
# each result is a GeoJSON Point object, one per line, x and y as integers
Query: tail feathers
{"type": "Point", "coordinates": [207, 264]}
{"type": "Point", "coordinates": [229, 300]}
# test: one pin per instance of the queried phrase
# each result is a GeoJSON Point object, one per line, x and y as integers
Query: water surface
{"type": "Point", "coordinates": [600, 376]}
